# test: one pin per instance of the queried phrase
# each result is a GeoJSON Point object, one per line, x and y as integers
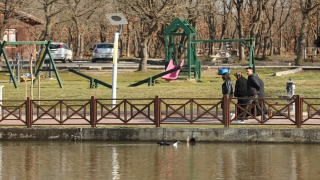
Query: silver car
{"type": "Point", "coordinates": [103, 51]}
{"type": "Point", "coordinates": [59, 52]}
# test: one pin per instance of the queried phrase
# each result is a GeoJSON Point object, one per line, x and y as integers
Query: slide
{"type": "Point", "coordinates": [174, 75]}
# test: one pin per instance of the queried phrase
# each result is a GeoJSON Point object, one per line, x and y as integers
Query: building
{"type": "Point", "coordinates": [20, 27]}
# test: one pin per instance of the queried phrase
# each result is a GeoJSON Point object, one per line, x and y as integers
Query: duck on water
{"type": "Point", "coordinates": [167, 144]}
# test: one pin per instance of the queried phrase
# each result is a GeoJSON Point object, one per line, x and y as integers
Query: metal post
{"type": "Point", "coordinates": [50, 70]}
{"type": "Point", "coordinates": [18, 67]}
{"type": "Point", "coordinates": [115, 69]}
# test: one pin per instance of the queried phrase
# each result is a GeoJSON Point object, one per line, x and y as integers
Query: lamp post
{"type": "Point", "coordinates": [115, 19]}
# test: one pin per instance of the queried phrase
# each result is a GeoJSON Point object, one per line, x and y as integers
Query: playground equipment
{"type": "Point", "coordinates": [150, 80]}
{"type": "Point", "coordinates": [173, 75]}
{"type": "Point", "coordinates": [192, 64]}
{"type": "Point", "coordinates": [93, 82]}
{"type": "Point", "coordinates": [39, 62]}
{"type": "Point", "coordinates": [312, 54]}
{"type": "Point", "coordinates": [223, 54]}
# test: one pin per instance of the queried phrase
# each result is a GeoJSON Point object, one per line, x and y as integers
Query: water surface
{"type": "Point", "coordinates": [146, 160]}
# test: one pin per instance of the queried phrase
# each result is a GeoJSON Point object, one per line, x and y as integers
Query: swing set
{"type": "Point", "coordinates": [39, 62]}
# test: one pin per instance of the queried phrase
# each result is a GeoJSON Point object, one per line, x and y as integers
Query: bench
{"type": "Point", "coordinates": [312, 58]}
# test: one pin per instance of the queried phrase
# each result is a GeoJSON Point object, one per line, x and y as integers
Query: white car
{"type": "Point", "coordinates": [60, 52]}
{"type": "Point", "coordinates": [103, 51]}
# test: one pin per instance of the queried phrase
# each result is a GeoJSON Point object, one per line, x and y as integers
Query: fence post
{"type": "Point", "coordinates": [298, 110]}
{"type": "Point", "coordinates": [226, 110]}
{"type": "Point", "coordinates": [28, 112]}
{"type": "Point", "coordinates": [157, 109]}
{"type": "Point", "coordinates": [93, 111]}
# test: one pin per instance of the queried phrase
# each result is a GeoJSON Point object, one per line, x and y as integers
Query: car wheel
{"type": "Point", "coordinates": [94, 60]}
{"type": "Point", "coordinates": [64, 60]}
{"type": "Point", "coordinates": [70, 60]}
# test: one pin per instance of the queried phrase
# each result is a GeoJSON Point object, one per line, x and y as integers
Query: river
{"type": "Point", "coordinates": [146, 160]}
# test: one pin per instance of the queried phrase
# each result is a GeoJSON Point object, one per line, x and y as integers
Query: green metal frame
{"type": "Point", "coordinates": [93, 81]}
{"type": "Point", "coordinates": [192, 62]}
{"type": "Point", "coordinates": [47, 51]}
{"type": "Point", "coordinates": [151, 79]}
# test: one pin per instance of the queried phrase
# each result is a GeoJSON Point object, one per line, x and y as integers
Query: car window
{"type": "Point", "coordinates": [104, 45]}
{"type": "Point", "coordinates": [54, 46]}
{"type": "Point", "coordinates": [57, 46]}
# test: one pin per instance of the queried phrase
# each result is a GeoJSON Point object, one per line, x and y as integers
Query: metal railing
{"type": "Point", "coordinates": [295, 111]}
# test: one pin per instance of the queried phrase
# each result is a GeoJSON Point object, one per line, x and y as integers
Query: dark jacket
{"type": "Point", "coordinates": [253, 85]}
{"type": "Point", "coordinates": [227, 88]}
{"type": "Point", "coordinates": [261, 91]}
{"type": "Point", "coordinates": [240, 89]}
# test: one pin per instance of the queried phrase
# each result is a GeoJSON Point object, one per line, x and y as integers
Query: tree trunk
{"type": "Point", "coordinates": [128, 42]}
{"type": "Point", "coordinates": [302, 39]}
{"type": "Point", "coordinates": [280, 43]}
{"type": "Point", "coordinates": [143, 54]}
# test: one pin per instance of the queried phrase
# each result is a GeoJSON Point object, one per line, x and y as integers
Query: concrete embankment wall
{"type": "Point", "coordinates": [165, 134]}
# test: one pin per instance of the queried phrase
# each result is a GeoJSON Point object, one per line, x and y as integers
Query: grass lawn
{"type": "Point", "coordinates": [77, 87]}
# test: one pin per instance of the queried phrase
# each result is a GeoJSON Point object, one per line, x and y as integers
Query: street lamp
{"type": "Point", "coordinates": [115, 19]}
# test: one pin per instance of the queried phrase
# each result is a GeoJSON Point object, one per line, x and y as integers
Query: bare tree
{"type": "Point", "coordinates": [50, 8]}
{"type": "Point", "coordinates": [239, 19]}
{"type": "Point", "coordinates": [79, 13]}
{"type": "Point", "coordinates": [151, 14]}
{"type": "Point", "coordinates": [306, 7]}
{"type": "Point", "coordinates": [277, 13]}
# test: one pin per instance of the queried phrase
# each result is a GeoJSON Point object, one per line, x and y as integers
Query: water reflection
{"type": "Point", "coordinates": [147, 160]}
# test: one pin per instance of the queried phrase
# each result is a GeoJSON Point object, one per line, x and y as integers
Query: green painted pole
{"type": "Point", "coordinates": [8, 64]}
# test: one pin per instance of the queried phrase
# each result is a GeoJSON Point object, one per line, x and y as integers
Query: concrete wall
{"type": "Point", "coordinates": [163, 134]}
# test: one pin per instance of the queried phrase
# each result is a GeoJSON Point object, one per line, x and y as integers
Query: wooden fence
{"type": "Point", "coordinates": [295, 111]}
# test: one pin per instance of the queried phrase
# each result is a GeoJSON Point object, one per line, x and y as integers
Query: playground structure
{"type": "Point", "coordinates": [182, 28]}
{"type": "Point", "coordinates": [179, 28]}
{"type": "Point", "coordinates": [39, 62]}
{"type": "Point", "coordinates": [93, 82]}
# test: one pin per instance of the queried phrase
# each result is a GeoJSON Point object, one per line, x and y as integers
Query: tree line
{"type": "Point", "coordinates": [278, 26]}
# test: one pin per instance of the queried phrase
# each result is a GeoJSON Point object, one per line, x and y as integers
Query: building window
{"type": "Point", "coordinates": [10, 35]}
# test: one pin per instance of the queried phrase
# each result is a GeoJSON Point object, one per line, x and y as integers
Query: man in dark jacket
{"type": "Point", "coordinates": [262, 95]}
{"type": "Point", "coordinates": [240, 91]}
{"type": "Point", "coordinates": [254, 86]}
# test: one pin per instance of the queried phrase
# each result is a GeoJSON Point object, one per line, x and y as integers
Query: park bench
{"type": "Point", "coordinates": [312, 58]}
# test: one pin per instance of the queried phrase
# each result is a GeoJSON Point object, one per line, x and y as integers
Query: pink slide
{"type": "Point", "coordinates": [175, 74]}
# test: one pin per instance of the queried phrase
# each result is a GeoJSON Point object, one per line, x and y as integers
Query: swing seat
{"type": "Point", "coordinates": [25, 77]}
{"type": "Point", "coordinates": [174, 75]}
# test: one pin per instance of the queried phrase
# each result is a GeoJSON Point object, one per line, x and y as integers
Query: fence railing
{"type": "Point", "coordinates": [295, 111]}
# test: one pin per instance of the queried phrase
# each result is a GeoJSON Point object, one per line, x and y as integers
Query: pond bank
{"type": "Point", "coordinates": [249, 135]}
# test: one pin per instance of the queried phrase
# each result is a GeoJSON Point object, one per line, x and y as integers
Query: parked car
{"type": "Point", "coordinates": [60, 52]}
{"type": "Point", "coordinates": [103, 51]}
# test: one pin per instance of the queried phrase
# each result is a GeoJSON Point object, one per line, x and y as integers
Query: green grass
{"type": "Point", "coordinates": [77, 87]}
